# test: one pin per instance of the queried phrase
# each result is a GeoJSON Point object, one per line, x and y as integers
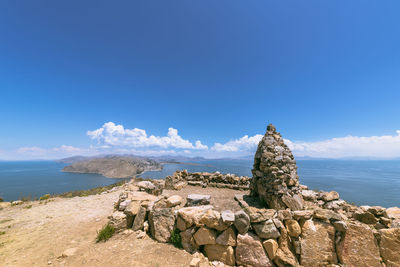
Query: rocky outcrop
{"type": "Point", "coordinates": [275, 180]}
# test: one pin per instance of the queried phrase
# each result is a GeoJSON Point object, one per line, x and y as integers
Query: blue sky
{"type": "Point", "coordinates": [326, 73]}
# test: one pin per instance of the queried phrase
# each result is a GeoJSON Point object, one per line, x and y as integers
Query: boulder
{"type": "Point", "coordinates": [146, 186]}
{"type": "Point", "coordinates": [228, 216]}
{"type": "Point", "coordinates": [118, 220]}
{"type": "Point", "coordinates": [242, 222]}
{"type": "Point", "coordinates": [326, 215]}
{"type": "Point", "coordinates": [284, 254]}
{"type": "Point", "coordinates": [220, 253]}
{"type": "Point", "coordinates": [197, 200]}
{"type": "Point", "coordinates": [139, 219]}
{"type": "Point", "coordinates": [173, 201]}
{"type": "Point", "coordinates": [205, 236]}
{"type": "Point", "coordinates": [227, 238]}
{"type": "Point", "coordinates": [340, 226]}
{"type": "Point", "coordinates": [390, 246]}
{"type": "Point", "coordinates": [187, 240]}
{"type": "Point", "coordinates": [271, 246]}
{"type": "Point", "coordinates": [192, 215]}
{"type": "Point", "coordinates": [293, 228]}
{"type": "Point", "coordinates": [358, 247]}
{"type": "Point", "coordinates": [250, 251]}
{"type": "Point", "coordinates": [393, 213]}
{"type": "Point", "coordinates": [334, 205]}
{"type": "Point", "coordinates": [365, 217]}
{"type": "Point", "coordinates": [266, 229]}
{"type": "Point", "coordinates": [212, 219]}
{"type": "Point", "coordinates": [309, 195]}
{"type": "Point", "coordinates": [329, 196]}
{"type": "Point", "coordinates": [302, 214]}
{"type": "Point", "coordinates": [181, 224]}
{"type": "Point", "coordinates": [294, 202]}
{"type": "Point", "coordinates": [317, 244]}
{"type": "Point", "coordinates": [122, 206]}
{"type": "Point", "coordinates": [162, 223]}
{"type": "Point", "coordinates": [284, 215]}
{"type": "Point", "coordinates": [259, 215]}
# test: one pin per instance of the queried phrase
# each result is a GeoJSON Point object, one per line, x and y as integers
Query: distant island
{"type": "Point", "coordinates": [111, 166]}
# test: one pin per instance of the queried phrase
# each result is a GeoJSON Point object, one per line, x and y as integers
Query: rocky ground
{"type": "Point", "coordinates": [62, 232]}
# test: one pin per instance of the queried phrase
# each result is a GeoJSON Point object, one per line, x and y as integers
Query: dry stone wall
{"type": "Point", "coordinates": [204, 179]}
{"type": "Point", "coordinates": [316, 229]}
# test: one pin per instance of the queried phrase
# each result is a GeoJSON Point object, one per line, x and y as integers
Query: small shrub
{"type": "Point", "coordinates": [176, 239]}
{"type": "Point", "coordinates": [2, 233]}
{"type": "Point", "coordinates": [44, 197]}
{"type": "Point", "coordinates": [28, 207]}
{"type": "Point", "coordinates": [1, 199]}
{"type": "Point", "coordinates": [105, 233]}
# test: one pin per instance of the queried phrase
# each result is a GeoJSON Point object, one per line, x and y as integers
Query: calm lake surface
{"type": "Point", "coordinates": [36, 178]}
{"type": "Point", "coordinates": [362, 182]}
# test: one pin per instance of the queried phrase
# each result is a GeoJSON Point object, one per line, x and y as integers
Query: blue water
{"type": "Point", "coordinates": [36, 178]}
{"type": "Point", "coordinates": [364, 182]}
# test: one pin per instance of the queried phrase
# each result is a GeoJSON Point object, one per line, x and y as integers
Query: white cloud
{"type": "Point", "coordinates": [245, 143]}
{"type": "Point", "coordinates": [387, 146]}
{"type": "Point", "coordinates": [115, 139]}
{"type": "Point", "coordinates": [114, 135]}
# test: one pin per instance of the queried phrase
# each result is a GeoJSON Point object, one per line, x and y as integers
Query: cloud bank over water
{"type": "Point", "coordinates": [112, 138]}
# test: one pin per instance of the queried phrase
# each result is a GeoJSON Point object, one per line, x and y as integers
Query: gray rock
{"type": "Point", "coordinates": [266, 230]}
{"type": "Point", "coordinates": [139, 219]}
{"type": "Point", "coordinates": [340, 226]}
{"type": "Point", "coordinates": [228, 216]}
{"type": "Point", "coordinates": [250, 251]}
{"type": "Point", "coordinates": [162, 223]}
{"type": "Point", "coordinates": [242, 222]}
{"type": "Point", "coordinates": [309, 195]}
{"type": "Point", "coordinates": [146, 185]}
{"type": "Point", "coordinates": [197, 200]}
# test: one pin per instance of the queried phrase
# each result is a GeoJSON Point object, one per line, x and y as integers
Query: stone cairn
{"type": "Point", "coordinates": [275, 178]}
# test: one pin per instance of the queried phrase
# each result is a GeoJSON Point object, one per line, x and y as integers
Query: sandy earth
{"type": "Point", "coordinates": [39, 235]}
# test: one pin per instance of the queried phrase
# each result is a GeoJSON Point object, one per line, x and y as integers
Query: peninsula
{"type": "Point", "coordinates": [113, 166]}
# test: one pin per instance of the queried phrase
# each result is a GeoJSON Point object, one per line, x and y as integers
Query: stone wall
{"type": "Point", "coordinates": [340, 234]}
{"type": "Point", "coordinates": [182, 178]}
{"type": "Point", "coordinates": [282, 223]}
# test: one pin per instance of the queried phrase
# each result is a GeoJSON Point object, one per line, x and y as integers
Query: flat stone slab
{"type": "Point", "coordinates": [197, 199]}
{"type": "Point", "coordinates": [146, 185]}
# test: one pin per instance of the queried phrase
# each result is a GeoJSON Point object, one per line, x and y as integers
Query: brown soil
{"type": "Point", "coordinates": [39, 235]}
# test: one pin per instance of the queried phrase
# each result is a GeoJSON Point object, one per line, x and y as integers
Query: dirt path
{"type": "Point", "coordinates": [39, 235]}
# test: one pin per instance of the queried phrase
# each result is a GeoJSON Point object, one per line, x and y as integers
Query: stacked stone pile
{"type": "Point", "coordinates": [275, 178]}
{"type": "Point", "coordinates": [182, 178]}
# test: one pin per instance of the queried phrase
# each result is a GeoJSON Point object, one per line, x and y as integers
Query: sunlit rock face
{"type": "Point", "coordinates": [275, 178]}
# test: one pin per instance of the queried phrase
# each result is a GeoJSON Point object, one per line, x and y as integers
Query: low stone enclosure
{"type": "Point", "coordinates": [281, 222]}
